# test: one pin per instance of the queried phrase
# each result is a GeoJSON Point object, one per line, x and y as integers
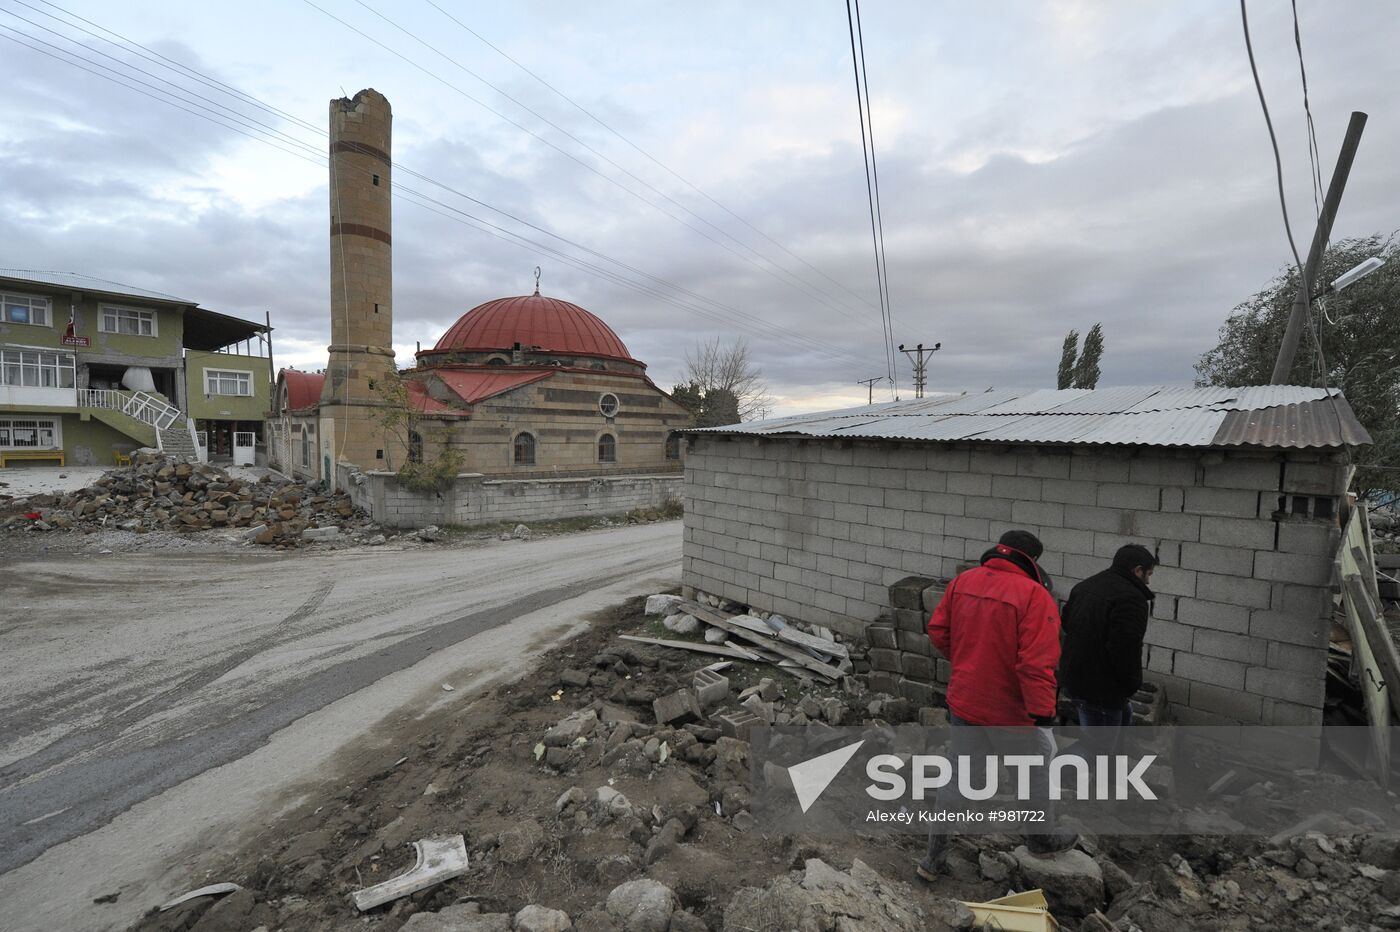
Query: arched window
{"type": "Point", "coordinates": [524, 449]}
{"type": "Point", "coordinates": [673, 446]}
{"type": "Point", "coordinates": [607, 449]}
{"type": "Point", "coordinates": [498, 361]}
{"type": "Point", "coordinates": [415, 447]}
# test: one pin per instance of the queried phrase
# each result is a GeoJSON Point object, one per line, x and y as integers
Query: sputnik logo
{"type": "Point", "coordinates": [811, 777]}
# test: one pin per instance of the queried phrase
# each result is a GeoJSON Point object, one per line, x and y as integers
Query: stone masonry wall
{"type": "Point", "coordinates": [817, 530]}
{"type": "Point", "coordinates": [476, 500]}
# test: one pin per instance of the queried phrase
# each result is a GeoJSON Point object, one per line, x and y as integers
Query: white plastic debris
{"type": "Point", "coordinates": [439, 858]}
{"type": "Point", "coordinates": [447, 687]}
{"type": "Point", "coordinates": [214, 889]}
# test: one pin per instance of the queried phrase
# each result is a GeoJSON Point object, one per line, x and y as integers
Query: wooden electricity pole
{"type": "Point", "coordinates": [1298, 317]}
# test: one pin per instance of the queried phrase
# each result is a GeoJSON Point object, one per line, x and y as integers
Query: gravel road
{"type": "Point", "coordinates": [156, 704]}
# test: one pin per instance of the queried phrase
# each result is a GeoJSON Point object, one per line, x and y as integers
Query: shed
{"type": "Point", "coordinates": [1238, 491]}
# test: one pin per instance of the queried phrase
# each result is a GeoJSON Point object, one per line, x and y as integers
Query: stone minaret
{"type": "Point", "coordinates": [362, 318]}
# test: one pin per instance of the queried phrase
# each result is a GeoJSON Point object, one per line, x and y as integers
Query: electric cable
{"type": "Point", "coordinates": [879, 214]}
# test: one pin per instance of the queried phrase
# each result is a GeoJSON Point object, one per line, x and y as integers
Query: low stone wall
{"type": "Point", "coordinates": [474, 499]}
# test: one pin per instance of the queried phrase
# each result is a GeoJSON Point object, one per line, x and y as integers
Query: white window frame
{"type": "Point", "coordinates": [33, 302]}
{"type": "Point", "coordinates": [11, 426]}
{"type": "Point", "coordinates": [138, 313]}
{"type": "Point", "coordinates": [223, 375]}
{"type": "Point", "coordinates": [603, 404]}
{"type": "Point", "coordinates": [27, 367]}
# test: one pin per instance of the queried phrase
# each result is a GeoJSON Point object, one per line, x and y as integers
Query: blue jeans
{"type": "Point", "coordinates": [1103, 725]}
{"type": "Point", "coordinates": [978, 742]}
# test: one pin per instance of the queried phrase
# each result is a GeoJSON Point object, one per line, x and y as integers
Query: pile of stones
{"type": "Point", "coordinates": [159, 493]}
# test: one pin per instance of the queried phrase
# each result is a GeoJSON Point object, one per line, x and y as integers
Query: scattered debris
{"type": "Point", "coordinates": [438, 858]}
{"type": "Point", "coordinates": [214, 889]}
{"type": "Point", "coordinates": [1017, 912]}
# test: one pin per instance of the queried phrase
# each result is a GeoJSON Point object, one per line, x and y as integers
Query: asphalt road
{"type": "Point", "coordinates": [150, 700]}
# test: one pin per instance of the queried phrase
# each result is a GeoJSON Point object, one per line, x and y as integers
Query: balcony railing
{"type": "Point", "coordinates": [143, 406]}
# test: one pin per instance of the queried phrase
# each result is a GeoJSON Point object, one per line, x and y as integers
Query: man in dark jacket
{"type": "Point", "coordinates": [999, 628]}
{"type": "Point", "coordinates": [1105, 620]}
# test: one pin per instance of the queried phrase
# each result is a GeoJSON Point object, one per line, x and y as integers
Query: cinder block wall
{"type": "Point", "coordinates": [817, 530]}
{"type": "Point", "coordinates": [475, 500]}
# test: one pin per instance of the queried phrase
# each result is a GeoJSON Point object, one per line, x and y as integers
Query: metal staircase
{"type": "Point", "coordinates": [145, 417]}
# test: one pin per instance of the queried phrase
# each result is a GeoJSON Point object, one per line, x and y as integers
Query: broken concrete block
{"type": "Point", "coordinates": [881, 636]}
{"type": "Point", "coordinates": [710, 687]}
{"type": "Point", "coordinates": [931, 597]}
{"type": "Point", "coordinates": [757, 706]}
{"type": "Point", "coordinates": [460, 917]}
{"type": "Point", "coordinates": [320, 533]}
{"type": "Point", "coordinates": [575, 678]}
{"type": "Point", "coordinates": [908, 593]}
{"type": "Point", "coordinates": [437, 859]}
{"type": "Point", "coordinates": [738, 724]}
{"type": "Point", "coordinates": [535, 918]}
{"type": "Point", "coordinates": [612, 803]}
{"type": "Point", "coordinates": [715, 636]}
{"type": "Point", "coordinates": [578, 725]}
{"type": "Point", "coordinates": [662, 604]}
{"type": "Point", "coordinates": [933, 718]}
{"type": "Point", "coordinates": [681, 623]}
{"type": "Point", "coordinates": [833, 711]}
{"type": "Point", "coordinates": [253, 532]}
{"type": "Point", "coordinates": [431, 534]}
{"type": "Point", "coordinates": [679, 707]}
{"type": "Point", "coordinates": [1072, 881]}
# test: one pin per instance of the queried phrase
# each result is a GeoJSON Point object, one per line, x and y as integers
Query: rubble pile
{"type": "Point", "coordinates": [159, 493]}
{"type": "Point", "coordinates": [609, 791]}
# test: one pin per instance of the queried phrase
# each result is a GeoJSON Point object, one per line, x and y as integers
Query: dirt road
{"type": "Point", "coordinates": [154, 704]}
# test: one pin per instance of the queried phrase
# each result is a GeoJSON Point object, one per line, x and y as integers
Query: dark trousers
{"type": "Point", "coordinates": [978, 742]}
{"type": "Point", "coordinates": [1103, 726]}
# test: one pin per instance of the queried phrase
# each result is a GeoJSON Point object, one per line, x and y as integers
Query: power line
{"type": "Point", "coordinates": [875, 171]}
{"type": "Point", "coordinates": [805, 290]}
{"type": "Point", "coordinates": [870, 197]}
{"type": "Point", "coordinates": [663, 166]}
{"type": "Point", "coordinates": [1314, 156]}
{"type": "Point", "coordinates": [728, 314]}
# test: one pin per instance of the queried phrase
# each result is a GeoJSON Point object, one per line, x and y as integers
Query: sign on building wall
{"type": "Point", "coordinates": [70, 340]}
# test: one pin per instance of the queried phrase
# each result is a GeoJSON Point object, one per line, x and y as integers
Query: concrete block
{"type": "Point", "coordinates": [948, 460]}
{"type": "Point", "coordinates": [862, 494]}
{"type": "Point", "coordinates": [887, 478]}
{"type": "Point", "coordinates": [679, 707]}
{"type": "Point", "coordinates": [1288, 685]}
{"type": "Point", "coordinates": [905, 540]}
{"type": "Point", "coordinates": [880, 681]}
{"type": "Point", "coordinates": [1159, 659]}
{"type": "Point", "coordinates": [1241, 473]}
{"type": "Point", "coordinates": [1164, 607]}
{"type": "Point", "coordinates": [1301, 630]}
{"type": "Point", "coordinates": [910, 619]}
{"type": "Point", "coordinates": [739, 724]}
{"type": "Point", "coordinates": [926, 480]}
{"type": "Point", "coordinates": [1173, 499]}
{"type": "Point", "coordinates": [1314, 478]}
{"type": "Point", "coordinates": [1069, 491]}
{"type": "Point", "coordinates": [1169, 634]}
{"type": "Point", "coordinates": [1099, 466]}
{"type": "Point", "coordinates": [1038, 514]}
{"type": "Point", "coordinates": [1233, 590]}
{"type": "Point", "coordinates": [982, 508]}
{"type": "Point", "coordinates": [1301, 659]}
{"type": "Point", "coordinates": [1304, 569]}
{"type": "Point", "coordinates": [1156, 469]}
{"type": "Point", "coordinates": [1016, 488]}
{"type": "Point", "coordinates": [991, 462]}
{"type": "Point", "coordinates": [917, 666]}
{"type": "Point", "coordinates": [1228, 503]}
{"type": "Point", "coordinates": [1210, 670]}
{"type": "Point", "coordinates": [1043, 465]}
{"type": "Point", "coordinates": [710, 687]}
{"type": "Point", "coordinates": [1169, 580]}
{"type": "Point", "coordinates": [1226, 646]}
{"type": "Point", "coordinates": [1278, 712]}
{"type": "Point", "coordinates": [1227, 561]}
{"type": "Point", "coordinates": [1078, 567]}
{"type": "Point", "coordinates": [931, 597]}
{"type": "Point", "coordinates": [1242, 707]}
{"type": "Point", "coordinates": [1104, 520]}
{"type": "Point", "coordinates": [924, 523]}
{"type": "Point", "coordinates": [943, 503]}
{"type": "Point", "coordinates": [918, 693]}
{"type": "Point", "coordinates": [886, 659]}
{"type": "Point", "coordinates": [1300, 537]}
{"type": "Point", "coordinates": [1126, 495]}
{"type": "Point", "coordinates": [968, 483]}
{"type": "Point", "coordinates": [914, 642]}
{"type": "Point", "coordinates": [1062, 540]}
{"type": "Point", "coordinates": [1302, 601]}
{"type": "Point", "coordinates": [969, 528]}
{"type": "Point", "coordinates": [867, 534]}
{"type": "Point", "coordinates": [907, 593]}
{"type": "Point", "coordinates": [1167, 526]}
{"type": "Point", "coordinates": [1243, 533]}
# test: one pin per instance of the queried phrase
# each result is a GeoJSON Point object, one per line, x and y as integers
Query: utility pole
{"type": "Point", "coordinates": [919, 357]}
{"type": "Point", "coordinates": [1298, 317]}
{"type": "Point", "coordinates": [870, 384]}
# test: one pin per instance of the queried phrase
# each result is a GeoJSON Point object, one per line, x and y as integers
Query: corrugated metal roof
{"type": "Point", "coordinates": [1257, 416]}
{"type": "Point", "coordinates": [87, 283]}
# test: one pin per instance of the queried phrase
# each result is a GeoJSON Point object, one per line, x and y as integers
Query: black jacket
{"type": "Point", "coordinates": [1103, 625]}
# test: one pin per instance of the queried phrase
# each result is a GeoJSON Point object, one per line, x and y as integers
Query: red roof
{"type": "Point", "coordinates": [303, 389]}
{"type": "Point", "coordinates": [533, 320]}
{"type": "Point", "coordinates": [473, 385]}
{"type": "Point", "coordinates": [426, 404]}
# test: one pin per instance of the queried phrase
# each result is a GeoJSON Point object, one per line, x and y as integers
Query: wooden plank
{"type": "Point", "coordinates": [737, 653]}
{"type": "Point", "coordinates": [766, 642]}
{"type": "Point", "coordinates": [789, 635]}
{"type": "Point", "coordinates": [1378, 640]}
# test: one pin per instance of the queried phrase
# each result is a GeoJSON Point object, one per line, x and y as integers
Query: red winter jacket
{"type": "Point", "coordinates": [1001, 631]}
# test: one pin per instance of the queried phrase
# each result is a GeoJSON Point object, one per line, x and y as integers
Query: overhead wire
{"type": "Point", "coordinates": [870, 197]}
{"type": "Point", "coordinates": [726, 314]}
{"type": "Point", "coordinates": [644, 153]}
{"type": "Point", "coordinates": [805, 290]}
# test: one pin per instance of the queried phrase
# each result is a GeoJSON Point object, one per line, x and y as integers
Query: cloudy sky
{"type": "Point", "coordinates": [1043, 165]}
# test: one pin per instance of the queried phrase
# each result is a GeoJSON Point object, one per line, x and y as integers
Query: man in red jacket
{"type": "Point", "coordinates": [999, 627]}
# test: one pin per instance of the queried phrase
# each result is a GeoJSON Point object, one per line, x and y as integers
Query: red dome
{"type": "Point", "coordinates": [532, 320]}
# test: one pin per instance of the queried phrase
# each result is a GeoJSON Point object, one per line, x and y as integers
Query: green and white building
{"type": "Point", "coordinates": [91, 370]}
